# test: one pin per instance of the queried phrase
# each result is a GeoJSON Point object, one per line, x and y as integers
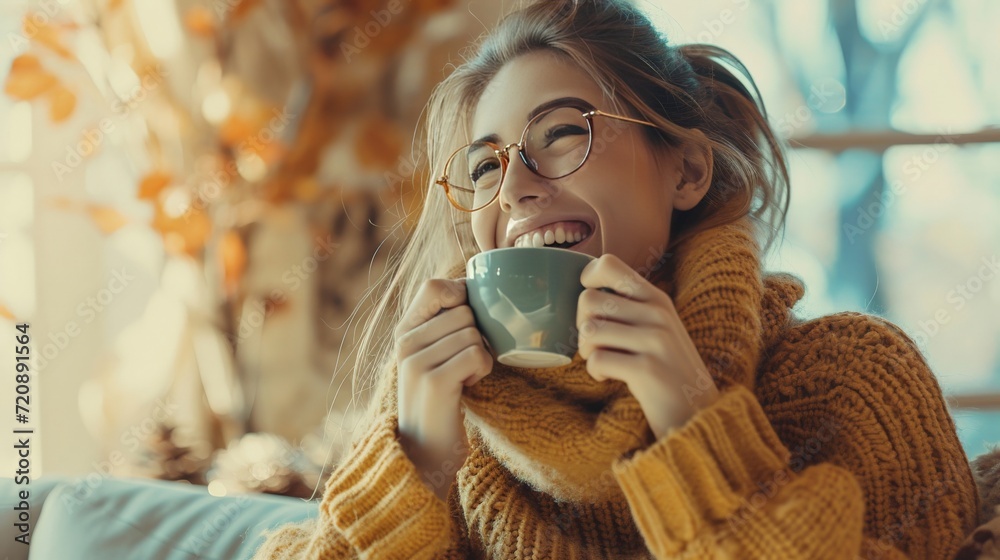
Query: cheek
{"type": "Point", "coordinates": [484, 230]}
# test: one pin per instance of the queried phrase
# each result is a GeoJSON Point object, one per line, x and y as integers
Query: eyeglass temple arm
{"type": "Point", "coordinates": [444, 183]}
{"type": "Point", "coordinates": [618, 117]}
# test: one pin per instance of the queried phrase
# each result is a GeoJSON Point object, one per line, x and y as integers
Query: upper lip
{"type": "Point", "coordinates": [524, 226]}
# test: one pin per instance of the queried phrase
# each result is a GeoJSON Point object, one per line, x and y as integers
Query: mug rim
{"type": "Point", "coordinates": [503, 249]}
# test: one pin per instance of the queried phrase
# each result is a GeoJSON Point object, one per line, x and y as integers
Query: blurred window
{"type": "Point", "coordinates": [890, 106]}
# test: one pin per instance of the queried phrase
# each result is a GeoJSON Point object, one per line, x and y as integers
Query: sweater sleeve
{"type": "Point", "coordinates": [877, 471]}
{"type": "Point", "coordinates": [375, 505]}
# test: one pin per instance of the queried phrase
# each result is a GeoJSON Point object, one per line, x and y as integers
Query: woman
{"type": "Point", "coordinates": [699, 418]}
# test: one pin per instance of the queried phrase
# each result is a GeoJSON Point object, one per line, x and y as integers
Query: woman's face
{"type": "Point", "coordinates": [623, 196]}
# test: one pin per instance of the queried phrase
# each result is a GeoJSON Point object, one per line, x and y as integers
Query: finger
{"type": "Point", "coordinates": [434, 329]}
{"type": "Point", "coordinates": [443, 351]}
{"type": "Point", "coordinates": [605, 363]}
{"type": "Point", "coordinates": [486, 369]}
{"type": "Point", "coordinates": [599, 334]}
{"type": "Point", "coordinates": [597, 304]}
{"type": "Point", "coordinates": [433, 296]}
{"type": "Point", "coordinates": [609, 271]}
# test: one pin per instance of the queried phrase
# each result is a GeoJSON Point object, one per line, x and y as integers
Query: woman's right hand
{"type": "Point", "coordinates": [439, 351]}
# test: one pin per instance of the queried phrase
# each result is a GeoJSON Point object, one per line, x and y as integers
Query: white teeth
{"type": "Point", "coordinates": [549, 237]}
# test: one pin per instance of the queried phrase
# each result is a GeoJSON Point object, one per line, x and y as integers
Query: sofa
{"type": "Point", "coordinates": [120, 518]}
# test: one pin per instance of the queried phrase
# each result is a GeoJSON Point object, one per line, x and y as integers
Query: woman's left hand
{"type": "Point", "coordinates": [635, 336]}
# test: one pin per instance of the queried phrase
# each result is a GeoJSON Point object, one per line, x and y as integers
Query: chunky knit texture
{"type": "Point", "coordinates": [831, 440]}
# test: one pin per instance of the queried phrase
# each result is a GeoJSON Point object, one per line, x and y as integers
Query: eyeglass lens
{"type": "Point", "coordinates": [555, 144]}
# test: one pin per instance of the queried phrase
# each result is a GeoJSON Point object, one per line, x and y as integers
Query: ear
{"type": "Point", "coordinates": [695, 160]}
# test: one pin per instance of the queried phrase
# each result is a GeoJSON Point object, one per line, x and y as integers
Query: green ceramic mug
{"type": "Point", "coordinates": [524, 301]}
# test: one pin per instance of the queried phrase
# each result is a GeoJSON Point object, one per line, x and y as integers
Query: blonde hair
{"type": "Point", "coordinates": [679, 88]}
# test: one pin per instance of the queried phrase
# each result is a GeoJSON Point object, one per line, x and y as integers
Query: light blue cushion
{"type": "Point", "coordinates": [150, 519]}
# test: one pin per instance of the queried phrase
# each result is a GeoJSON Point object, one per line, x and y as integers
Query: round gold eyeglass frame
{"type": "Point", "coordinates": [502, 152]}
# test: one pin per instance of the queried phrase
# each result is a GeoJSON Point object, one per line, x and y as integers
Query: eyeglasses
{"type": "Point", "coordinates": [554, 144]}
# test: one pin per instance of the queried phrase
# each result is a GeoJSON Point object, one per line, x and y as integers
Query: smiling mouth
{"type": "Point", "coordinates": [565, 235]}
{"type": "Point", "coordinates": [570, 246]}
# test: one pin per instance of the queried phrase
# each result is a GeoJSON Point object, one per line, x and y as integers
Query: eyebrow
{"type": "Point", "coordinates": [494, 138]}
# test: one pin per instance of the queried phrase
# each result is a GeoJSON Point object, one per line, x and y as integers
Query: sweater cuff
{"type": "Point", "coordinates": [377, 500]}
{"type": "Point", "coordinates": [702, 471]}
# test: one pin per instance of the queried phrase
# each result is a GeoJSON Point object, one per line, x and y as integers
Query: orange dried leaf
{"type": "Point", "coordinates": [63, 102]}
{"type": "Point", "coordinates": [199, 21]}
{"type": "Point", "coordinates": [152, 184]}
{"type": "Point", "coordinates": [107, 219]}
{"type": "Point", "coordinates": [27, 78]}
{"type": "Point", "coordinates": [26, 62]}
{"type": "Point", "coordinates": [196, 229]}
{"type": "Point", "coordinates": [233, 257]}
{"type": "Point", "coordinates": [6, 313]}
{"type": "Point", "coordinates": [185, 233]}
{"type": "Point", "coordinates": [234, 130]}
{"type": "Point", "coordinates": [114, 5]}
{"type": "Point", "coordinates": [306, 189]}
{"type": "Point", "coordinates": [44, 34]}
{"type": "Point", "coordinates": [271, 152]}
{"type": "Point", "coordinates": [161, 221]}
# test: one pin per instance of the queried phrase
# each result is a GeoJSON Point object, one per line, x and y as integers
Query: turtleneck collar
{"type": "Point", "coordinates": [557, 430]}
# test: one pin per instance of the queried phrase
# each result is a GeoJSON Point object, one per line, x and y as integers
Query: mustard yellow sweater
{"type": "Point", "coordinates": [831, 440]}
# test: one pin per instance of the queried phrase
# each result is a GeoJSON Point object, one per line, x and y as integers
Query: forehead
{"type": "Point", "coordinates": [526, 82]}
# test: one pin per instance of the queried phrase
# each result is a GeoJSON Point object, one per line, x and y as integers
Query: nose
{"type": "Point", "coordinates": [520, 185]}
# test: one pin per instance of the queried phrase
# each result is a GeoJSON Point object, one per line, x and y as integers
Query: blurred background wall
{"type": "Point", "coordinates": [194, 196]}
